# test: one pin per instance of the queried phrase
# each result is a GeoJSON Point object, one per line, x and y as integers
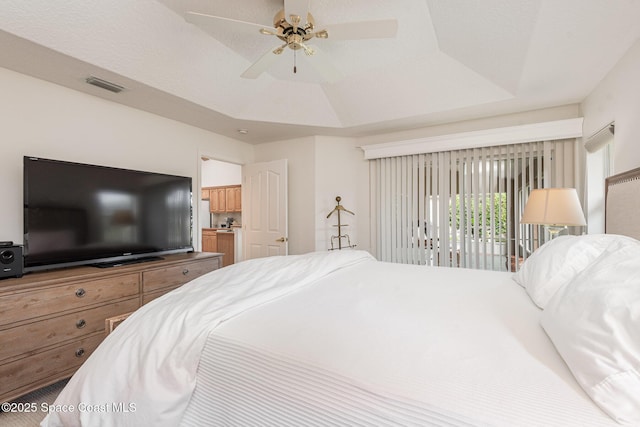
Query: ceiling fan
{"type": "Point", "coordinates": [295, 27]}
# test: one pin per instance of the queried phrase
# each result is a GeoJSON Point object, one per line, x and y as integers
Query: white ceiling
{"type": "Point", "coordinates": [451, 60]}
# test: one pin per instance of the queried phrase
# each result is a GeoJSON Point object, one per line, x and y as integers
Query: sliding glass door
{"type": "Point", "coordinates": [462, 208]}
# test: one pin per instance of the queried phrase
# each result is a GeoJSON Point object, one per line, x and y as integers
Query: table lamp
{"type": "Point", "coordinates": [555, 208]}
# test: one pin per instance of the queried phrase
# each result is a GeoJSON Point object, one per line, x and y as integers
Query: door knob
{"type": "Point", "coordinates": [282, 239]}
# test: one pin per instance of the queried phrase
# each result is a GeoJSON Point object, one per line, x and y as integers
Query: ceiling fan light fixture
{"type": "Point", "coordinates": [295, 25]}
{"type": "Point", "coordinates": [299, 30]}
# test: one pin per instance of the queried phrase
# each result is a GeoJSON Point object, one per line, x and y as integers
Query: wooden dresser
{"type": "Point", "coordinates": [51, 321]}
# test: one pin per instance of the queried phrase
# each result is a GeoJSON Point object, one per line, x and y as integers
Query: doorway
{"type": "Point", "coordinates": [248, 202]}
{"type": "Point", "coordinates": [220, 209]}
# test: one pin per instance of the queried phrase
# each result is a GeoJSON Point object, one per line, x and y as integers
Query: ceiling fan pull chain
{"type": "Point", "coordinates": [295, 69]}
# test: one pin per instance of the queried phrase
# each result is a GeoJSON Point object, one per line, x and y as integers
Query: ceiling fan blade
{"type": "Point", "coordinates": [324, 66]}
{"type": "Point", "coordinates": [298, 8]}
{"type": "Point", "coordinates": [214, 22]}
{"type": "Point", "coordinates": [261, 65]}
{"type": "Point", "coordinates": [382, 29]}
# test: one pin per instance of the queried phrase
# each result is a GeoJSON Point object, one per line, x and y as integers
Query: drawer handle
{"type": "Point", "coordinates": [185, 271]}
{"type": "Point", "coordinates": [80, 293]}
{"type": "Point", "coordinates": [80, 352]}
{"type": "Point", "coordinates": [81, 324]}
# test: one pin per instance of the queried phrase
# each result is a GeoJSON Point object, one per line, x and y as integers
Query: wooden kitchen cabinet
{"type": "Point", "coordinates": [209, 240]}
{"type": "Point", "coordinates": [218, 199]}
{"type": "Point", "coordinates": [226, 246]}
{"type": "Point", "coordinates": [224, 199]}
{"type": "Point", "coordinates": [234, 198]}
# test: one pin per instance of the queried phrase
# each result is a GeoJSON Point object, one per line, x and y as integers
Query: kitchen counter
{"type": "Point", "coordinates": [223, 229]}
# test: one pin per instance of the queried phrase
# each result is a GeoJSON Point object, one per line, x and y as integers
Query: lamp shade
{"type": "Point", "coordinates": [553, 206]}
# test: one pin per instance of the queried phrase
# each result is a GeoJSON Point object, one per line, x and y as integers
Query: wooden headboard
{"type": "Point", "coordinates": [622, 204]}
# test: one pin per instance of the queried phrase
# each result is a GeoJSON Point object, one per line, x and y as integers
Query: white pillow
{"type": "Point", "coordinates": [558, 261]}
{"type": "Point", "coordinates": [594, 323]}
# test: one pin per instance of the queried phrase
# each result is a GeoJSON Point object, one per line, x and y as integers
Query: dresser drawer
{"type": "Point", "coordinates": [43, 333]}
{"type": "Point", "coordinates": [172, 277]}
{"type": "Point", "coordinates": [22, 306]}
{"type": "Point", "coordinates": [148, 297]}
{"type": "Point", "coordinates": [51, 363]}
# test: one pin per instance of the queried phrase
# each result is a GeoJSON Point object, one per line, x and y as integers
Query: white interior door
{"type": "Point", "coordinates": [264, 206]}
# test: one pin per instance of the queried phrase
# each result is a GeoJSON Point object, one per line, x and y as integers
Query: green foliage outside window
{"type": "Point", "coordinates": [488, 225]}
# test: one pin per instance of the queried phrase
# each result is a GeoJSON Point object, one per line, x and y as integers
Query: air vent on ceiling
{"type": "Point", "coordinates": [112, 87]}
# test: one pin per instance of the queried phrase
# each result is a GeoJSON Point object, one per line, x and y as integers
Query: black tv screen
{"type": "Point", "coordinates": [78, 214]}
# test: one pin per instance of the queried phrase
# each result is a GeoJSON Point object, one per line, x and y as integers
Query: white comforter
{"type": "Point", "coordinates": [381, 344]}
{"type": "Point", "coordinates": [148, 365]}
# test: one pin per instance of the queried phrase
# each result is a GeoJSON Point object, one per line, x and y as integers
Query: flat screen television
{"type": "Point", "coordinates": [77, 214]}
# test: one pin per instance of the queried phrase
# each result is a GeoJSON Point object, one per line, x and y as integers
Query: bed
{"type": "Point", "coordinates": [338, 338]}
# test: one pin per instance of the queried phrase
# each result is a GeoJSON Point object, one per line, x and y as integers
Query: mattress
{"type": "Point", "coordinates": [388, 344]}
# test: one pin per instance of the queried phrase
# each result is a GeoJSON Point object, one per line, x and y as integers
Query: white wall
{"type": "Point", "coordinates": [46, 120]}
{"type": "Point", "coordinates": [216, 173]}
{"type": "Point", "coordinates": [617, 98]}
{"type": "Point", "coordinates": [341, 170]}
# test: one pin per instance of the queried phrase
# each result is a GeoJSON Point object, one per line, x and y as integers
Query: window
{"type": "Point", "coordinates": [462, 208]}
{"type": "Point", "coordinates": [599, 165]}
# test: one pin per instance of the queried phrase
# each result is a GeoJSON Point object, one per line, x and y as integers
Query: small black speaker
{"type": "Point", "coordinates": [10, 261]}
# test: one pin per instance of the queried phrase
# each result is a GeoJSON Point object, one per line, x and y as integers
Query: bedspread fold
{"type": "Point", "coordinates": [150, 360]}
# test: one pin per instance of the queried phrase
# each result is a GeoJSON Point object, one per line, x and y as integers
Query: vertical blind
{"type": "Point", "coordinates": [462, 208]}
